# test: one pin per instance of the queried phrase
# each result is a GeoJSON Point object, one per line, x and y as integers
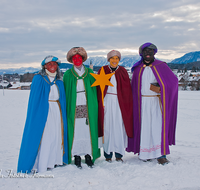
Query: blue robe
{"type": "Point", "coordinates": [37, 113]}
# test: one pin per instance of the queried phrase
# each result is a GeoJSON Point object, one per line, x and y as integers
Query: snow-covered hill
{"type": "Point", "coordinates": [188, 58]}
{"type": "Point", "coordinates": [126, 61]}
{"type": "Point", "coordinates": [96, 61]}
{"type": "Point", "coordinates": [20, 71]}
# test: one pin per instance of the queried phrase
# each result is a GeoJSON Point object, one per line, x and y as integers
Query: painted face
{"type": "Point", "coordinates": [148, 54]}
{"type": "Point", "coordinates": [114, 61]}
{"type": "Point", "coordinates": [51, 66]}
{"type": "Point", "coordinates": [77, 60]}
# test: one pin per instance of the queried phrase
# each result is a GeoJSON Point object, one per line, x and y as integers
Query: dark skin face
{"type": "Point", "coordinates": [148, 55]}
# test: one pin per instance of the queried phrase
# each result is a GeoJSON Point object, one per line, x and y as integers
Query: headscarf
{"type": "Point", "coordinates": [76, 50]}
{"type": "Point", "coordinates": [50, 58]}
{"type": "Point", "coordinates": [113, 53]}
{"type": "Point", "coordinates": [148, 45]}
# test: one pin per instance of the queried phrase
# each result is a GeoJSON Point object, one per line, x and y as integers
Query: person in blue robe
{"type": "Point", "coordinates": [44, 142]}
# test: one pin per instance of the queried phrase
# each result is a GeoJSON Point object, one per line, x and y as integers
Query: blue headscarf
{"type": "Point", "coordinates": [50, 58]}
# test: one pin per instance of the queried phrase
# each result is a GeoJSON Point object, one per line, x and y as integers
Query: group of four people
{"type": "Point", "coordinates": [67, 119]}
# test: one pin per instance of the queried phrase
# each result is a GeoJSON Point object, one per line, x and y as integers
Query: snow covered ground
{"type": "Point", "coordinates": [182, 173]}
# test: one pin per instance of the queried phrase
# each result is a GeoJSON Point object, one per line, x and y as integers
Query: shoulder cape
{"type": "Point", "coordinates": [124, 94]}
{"type": "Point", "coordinates": [70, 81]}
{"type": "Point", "coordinates": [37, 113]}
{"type": "Point", "coordinates": [169, 98]}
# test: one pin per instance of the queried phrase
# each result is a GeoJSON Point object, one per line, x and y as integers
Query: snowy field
{"type": "Point", "coordinates": [182, 173]}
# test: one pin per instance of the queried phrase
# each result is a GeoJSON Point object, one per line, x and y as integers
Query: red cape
{"type": "Point", "coordinates": [125, 98]}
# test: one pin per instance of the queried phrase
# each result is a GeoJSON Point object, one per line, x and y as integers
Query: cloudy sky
{"type": "Point", "coordinates": [33, 29]}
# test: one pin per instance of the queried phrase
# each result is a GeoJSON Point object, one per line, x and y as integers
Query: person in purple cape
{"type": "Point", "coordinates": [155, 98]}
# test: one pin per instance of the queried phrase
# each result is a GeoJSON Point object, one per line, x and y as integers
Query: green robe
{"type": "Point", "coordinates": [70, 81]}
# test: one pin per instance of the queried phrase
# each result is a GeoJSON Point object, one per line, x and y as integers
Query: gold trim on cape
{"type": "Point", "coordinates": [164, 112]}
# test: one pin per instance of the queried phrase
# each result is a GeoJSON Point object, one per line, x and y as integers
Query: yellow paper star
{"type": "Point", "coordinates": [102, 80]}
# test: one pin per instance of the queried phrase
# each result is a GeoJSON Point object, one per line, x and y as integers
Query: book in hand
{"type": "Point", "coordinates": [155, 87]}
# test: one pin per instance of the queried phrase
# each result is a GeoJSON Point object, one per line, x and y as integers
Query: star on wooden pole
{"type": "Point", "coordinates": [102, 80]}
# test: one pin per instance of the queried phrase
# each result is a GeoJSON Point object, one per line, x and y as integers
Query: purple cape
{"type": "Point", "coordinates": [169, 98]}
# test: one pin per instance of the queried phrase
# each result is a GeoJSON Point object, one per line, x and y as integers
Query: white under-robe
{"type": "Point", "coordinates": [151, 119]}
{"type": "Point", "coordinates": [82, 141]}
{"type": "Point", "coordinates": [51, 149]}
{"type": "Point", "coordinates": [115, 137]}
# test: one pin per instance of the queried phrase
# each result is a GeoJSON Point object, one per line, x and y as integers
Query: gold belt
{"type": "Point", "coordinates": [53, 101]}
{"type": "Point", "coordinates": [159, 96]}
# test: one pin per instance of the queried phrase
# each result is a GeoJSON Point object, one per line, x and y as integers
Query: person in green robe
{"type": "Point", "coordinates": [82, 109]}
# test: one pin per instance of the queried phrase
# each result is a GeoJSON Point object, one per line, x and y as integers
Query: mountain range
{"type": "Point", "coordinates": [126, 61]}
{"type": "Point", "coordinates": [188, 58]}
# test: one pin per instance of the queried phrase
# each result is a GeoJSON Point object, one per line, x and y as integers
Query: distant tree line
{"type": "Point", "coordinates": [27, 77]}
{"type": "Point", "coordinates": [195, 66]}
